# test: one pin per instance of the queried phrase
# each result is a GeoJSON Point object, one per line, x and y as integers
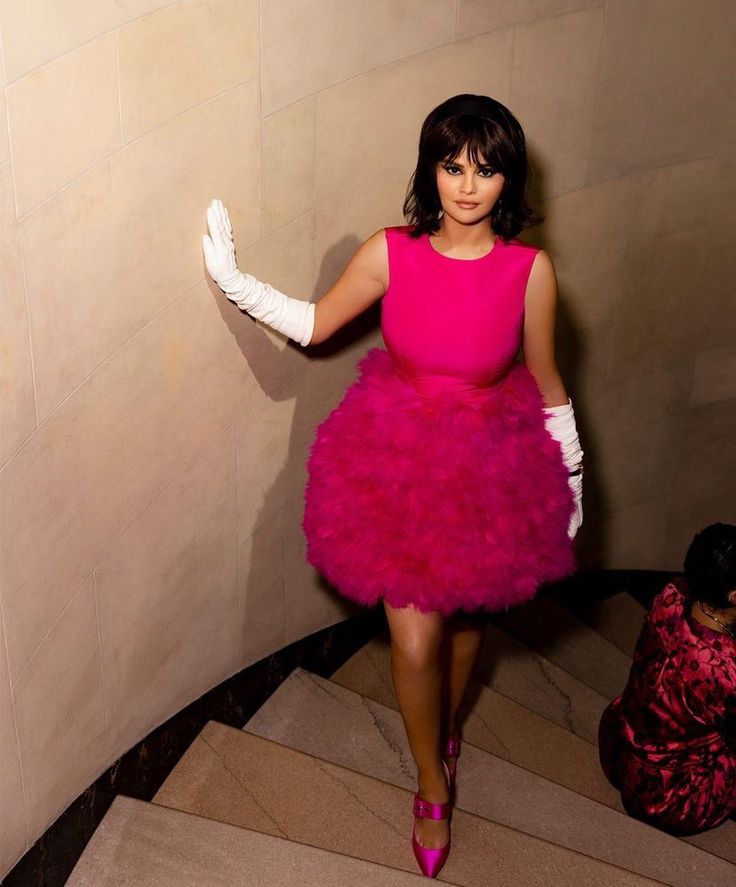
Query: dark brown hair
{"type": "Point", "coordinates": [710, 565]}
{"type": "Point", "coordinates": [493, 137]}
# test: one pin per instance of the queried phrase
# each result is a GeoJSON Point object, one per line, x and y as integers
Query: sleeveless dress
{"type": "Point", "coordinates": [434, 482]}
{"type": "Point", "coordinates": [668, 743]}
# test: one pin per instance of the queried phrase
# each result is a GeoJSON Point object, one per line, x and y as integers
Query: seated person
{"type": "Point", "coordinates": [668, 742]}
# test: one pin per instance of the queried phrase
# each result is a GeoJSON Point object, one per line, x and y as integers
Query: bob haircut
{"type": "Point", "coordinates": [710, 565]}
{"type": "Point", "coordinates": [494, 138]}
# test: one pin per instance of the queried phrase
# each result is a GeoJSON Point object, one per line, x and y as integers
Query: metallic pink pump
{"type": "Point", "coordinates": [430, 859]}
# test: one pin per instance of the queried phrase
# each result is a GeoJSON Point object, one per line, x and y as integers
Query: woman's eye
{"type": "Point", "coordinates": [485, 172]}
{"type": "Point", "coordinates": [452, 169]}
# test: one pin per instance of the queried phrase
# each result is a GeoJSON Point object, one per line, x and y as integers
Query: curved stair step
{"type": "Point", "coordinates": [329, 721]}
{"type": "Point", "coordinates": [145, 844]}
{"type": "Point", "coordinates": [618, 618]}
{"type": "Point", "coordinates": [243, 779]}
{"type": "Point", "coordinates": [555, 633]}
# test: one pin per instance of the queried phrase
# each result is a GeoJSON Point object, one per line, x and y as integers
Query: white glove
{"type": "Point", "coordinates": [292, 317]}
{"type": "Point", "coordinates": [560, 423]}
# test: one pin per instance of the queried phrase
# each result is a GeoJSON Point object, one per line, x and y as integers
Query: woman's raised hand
{"type": "Point", "coordinates": [219, 250]}
{"type": "Point", "coordinates": [292, 317]}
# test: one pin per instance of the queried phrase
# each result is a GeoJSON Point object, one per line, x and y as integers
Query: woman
{"type": "Point", "coordinates": [447, 483]}
{"type": "Point", "coordinates": [668, 742]}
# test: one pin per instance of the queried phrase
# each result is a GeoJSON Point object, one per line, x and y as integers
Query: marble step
{"type": "Point", "coordinates": [516, 733]}
{"type": "Point", "coordinates": [498, 725]}
{"type": "Point", "coordinates": [321, 718]}
{"type": "Point", "coordinates": [617, 618]}
{"type": "Point", "coordinates": [504, 665]}
{"type": "Point", "coordinates": [553, 632]}
{"type": "Point", "coordinates": [139, 844]}
{"type": "Point", "coordinates": [245, 780]}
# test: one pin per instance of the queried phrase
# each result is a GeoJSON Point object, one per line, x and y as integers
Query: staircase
{"type": "Point", "coordinates": [316, 789]}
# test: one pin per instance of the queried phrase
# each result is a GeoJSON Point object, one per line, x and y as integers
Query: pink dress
{"type": "Point", "coordinates": [435, 482]}
{"type": "Point", "coordinates": [668, 742]}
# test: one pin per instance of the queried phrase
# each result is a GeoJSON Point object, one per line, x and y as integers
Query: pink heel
{"type": "Point", "coordinates": [450, 754]}
{"type": "Point", "coordinates": [431, 859]}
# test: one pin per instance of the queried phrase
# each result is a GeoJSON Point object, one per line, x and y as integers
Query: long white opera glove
{"type": "Point", "coordinates": [560, 423]}
{"type": "Point", "coordinates": [292, 317]}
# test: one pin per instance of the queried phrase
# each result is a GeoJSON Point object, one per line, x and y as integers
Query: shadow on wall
{"type": "Point", "coordinates": [316, 386]}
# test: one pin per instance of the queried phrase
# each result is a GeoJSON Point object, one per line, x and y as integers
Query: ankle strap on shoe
{"type": "Point", "coordinates": [452, 747]}
{"type": "Point", "coordinates": [427, 810]}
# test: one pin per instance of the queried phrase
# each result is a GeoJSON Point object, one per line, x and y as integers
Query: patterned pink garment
{"type": "Point", "coordinates": [668, 742]}
{"type": "Point", "coordinates": [435, 482]}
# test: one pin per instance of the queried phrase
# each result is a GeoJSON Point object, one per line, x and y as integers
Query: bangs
{"type": "Point", "coordinates": [483, 139]}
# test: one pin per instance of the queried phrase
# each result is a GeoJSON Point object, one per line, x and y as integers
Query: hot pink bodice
{"type": "Point", "coordinates": [453, 324]}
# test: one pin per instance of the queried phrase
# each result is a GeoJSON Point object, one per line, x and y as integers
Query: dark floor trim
{"type": "Point", "coordinates": [142, 770]}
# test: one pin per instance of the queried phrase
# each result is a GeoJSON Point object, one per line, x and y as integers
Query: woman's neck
{"type": "Point", "coordinates": [464, 240]}
{"type": "Point", "coordinates": [705, 615]}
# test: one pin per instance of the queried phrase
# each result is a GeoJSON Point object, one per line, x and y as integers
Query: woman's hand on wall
{"type": "Point", "coordinates": [292, 317]}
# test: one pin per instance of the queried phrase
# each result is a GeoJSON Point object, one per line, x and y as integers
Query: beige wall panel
{"type": "Point", "coordinates": [678, 291]}
{"type": "Point", "coordinates": [262, 590]}
{"type": "Point", "coordinates": [285, 259]}
{"type": "Point", "coordinates": [311, 44]}
{"type": "Point", "coordinates": [708, 457]}
{"type": "Point", "coordinates": [310, 604]}
{"type": "Point", "coordinates": [288, 164]}
{"type": "Point", "coordinates": [111, 449]}
{"type": "Point", "coordinates": [182, 55]}
{"type": "Point", "coordinates": [555, 66]}
{"type": "Point", "coordinates": [64, 117]}
{"type": "Point", "coordinates": [168, 599]}
{"type": "Point", "coordinates": [124, 240]}
{"type": "Point", "coordinates": [641, 437]}
{"type": "Point", "coordinates": [368, 132]}
{"type": "Point", "coordinates": [714, 377]}
{"type": "Point", "coordinates": [584, 232]}
{"type": "Point", "coordinates": [36, 31]}
{"type": "Point", "coordinates": [662, 94]}
{"type": "Point", "coordinates": [59, 711]}
{"type": "Point", "coordinates": [636, 537]}
{"type": "Point", "coordinates": [264, 438]}
{"type": "Point", "coordinates": [17, 408]}
{"type": "Point", "coordinates": [13, 838]}
{"type": "Point", "coordinates": [475, 16]}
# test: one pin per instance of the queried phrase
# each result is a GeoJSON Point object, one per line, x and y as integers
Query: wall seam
{"type": "Point", "coordinates": [120, 97]}
{"type": "Point", "coordinates": [596, 93]}
{"type": "Point", "coordinates": [105, 713]}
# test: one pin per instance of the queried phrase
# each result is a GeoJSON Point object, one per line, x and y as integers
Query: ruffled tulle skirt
{"type": "Point", "coordinates": [455, 501]}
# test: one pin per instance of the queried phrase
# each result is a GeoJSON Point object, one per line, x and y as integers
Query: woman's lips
{"type": "Point", "coordinates": [466, 204]}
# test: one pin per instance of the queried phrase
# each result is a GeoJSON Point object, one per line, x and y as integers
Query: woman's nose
{"type": "Point", "coordinates": [468, 184]}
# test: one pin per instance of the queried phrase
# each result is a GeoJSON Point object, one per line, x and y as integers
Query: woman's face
{"type": "Point", "coordinates": [468, 192]}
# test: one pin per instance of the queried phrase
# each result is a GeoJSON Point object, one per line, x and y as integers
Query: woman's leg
{"type": "Point", "coordinates": [463, 640]}
{"type": "Point", "coordinates": [416, 669]}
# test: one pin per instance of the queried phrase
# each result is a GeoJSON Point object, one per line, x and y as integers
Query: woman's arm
{"type": "Point", "coordinates": [363, 282]}
{"type": "Point", "coordinates": [539, 356]}
{"type": "Point", "coordinates": [539, 330]}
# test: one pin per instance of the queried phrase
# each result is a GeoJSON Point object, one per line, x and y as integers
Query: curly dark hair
{"type": "Point", "coordinates": [493, 137]}
{"type": "Point", "coordinates": [710, 565]}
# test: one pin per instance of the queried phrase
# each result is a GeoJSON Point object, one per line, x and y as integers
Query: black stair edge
{"type": "Point", "coordinates": [141, 771]}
